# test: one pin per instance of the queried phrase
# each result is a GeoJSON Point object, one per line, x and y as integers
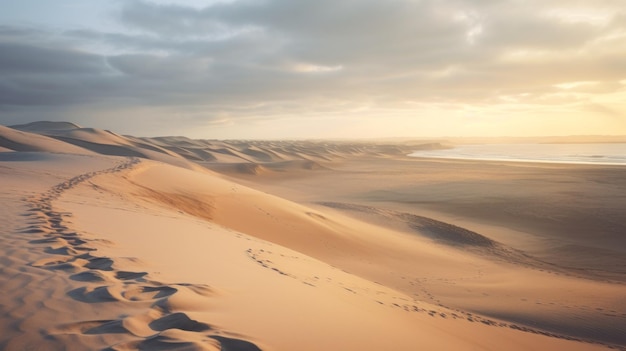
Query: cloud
{"type": "Point", "coordinates": [19, 59]}
{"type": "Point", "coordinates": [33, 74]}
{"type": "Point", "coordinates": [273, 58]}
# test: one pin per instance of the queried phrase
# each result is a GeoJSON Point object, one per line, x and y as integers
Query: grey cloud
{"type": "Point", "coordinates": [35, 74]}
{"type": "Point", "coordinates": [325, 31]}
{"type": "Point", "coordinates": [15, 34]}
{"type": "Point", "coordinates": [374, 39]}
{"type": "Point", "coordinates": [158, 67]}
{"type": "Point", "coordinates": [20, 58]}
{"type": "Point", "coordinates": [229, 56]}
{"type": "Point", "coordinates": [365, 29]}
{"type": "Point", "coordinates": [167, 20]}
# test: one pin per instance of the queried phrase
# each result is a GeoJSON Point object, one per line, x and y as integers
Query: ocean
{"type": "Point", "coordinates": [600, 153]}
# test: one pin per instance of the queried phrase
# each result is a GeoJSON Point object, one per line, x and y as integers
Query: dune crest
{"type": "Point", "coordinates": [45, 126]}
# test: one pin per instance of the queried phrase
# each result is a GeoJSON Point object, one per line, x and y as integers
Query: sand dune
{"type": "Point", "coordinates": [102, 142]}
{"type": "Point", "coordinates": [175, 150]}
{"type": "Point", "coordinates": [70, 260]}
{"type": "Point", "coordinates": [46, 126]}
{"type": "Point", "coordinates": [123, 243]}
{"type": "Point", "coordinates": [16, 140]}
{"type": "Point", "coordinates": [291, 275]}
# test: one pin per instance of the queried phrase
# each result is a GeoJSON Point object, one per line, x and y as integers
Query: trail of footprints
{"type": "Point", "coordinates": [434, 309]}
{"type": "Point", "coordinates": [153, 322]}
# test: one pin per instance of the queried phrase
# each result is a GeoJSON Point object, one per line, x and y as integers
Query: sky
{"type": "Point", "coordinates": [271, 69]}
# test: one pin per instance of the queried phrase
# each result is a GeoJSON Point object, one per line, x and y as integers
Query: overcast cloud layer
{"type": "Point", "coordinates": [285, 68]}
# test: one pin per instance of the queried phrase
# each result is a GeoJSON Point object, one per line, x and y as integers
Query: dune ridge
{"type": "Point", "coordinates": [15, 140]}
{"type": "Point", "coordinates": [176, 150]}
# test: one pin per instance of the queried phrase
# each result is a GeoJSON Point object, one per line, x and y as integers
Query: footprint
{"type": "Point", "coordinates": [91, 277]}
{"type": "Point", "coordinates": [235, 344]}
{"type": "Point", "coordinates": [178, 321]}
{"type": "Point", "coordinates": [52, 240]}
{"type": "Point", "coordinates": [60, 263]}
{"type": "Point", "coordinates": [144, 293]}
{"type": "Point", "coordinates": [35, 231]}
{"type": "Point", "coordinates": [66, 250]}
{"type": "Point", "coordinates": [99, 263]}
{"type": "Point", "coordinates": [118, 293]}
{"type": "Point", "coordinates": [123, 275]}
{"type": "Point", "coordinates": [95, 295]}
{"type": "Point", "coordinates": [169, 341]}
{"type": "Point", "coordinates": [110, 327]}
{"type": "Point", "coordinates": [90, 327]}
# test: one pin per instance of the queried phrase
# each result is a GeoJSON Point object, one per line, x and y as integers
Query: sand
{"type": "Point", "coordinates": [124, 243]}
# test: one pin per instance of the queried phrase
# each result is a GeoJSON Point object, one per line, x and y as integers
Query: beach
{"type": "Point", "coordinates": [126, 243]}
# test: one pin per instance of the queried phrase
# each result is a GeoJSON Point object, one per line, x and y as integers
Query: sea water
{"type": "Point", "coordinates": [600, 153]}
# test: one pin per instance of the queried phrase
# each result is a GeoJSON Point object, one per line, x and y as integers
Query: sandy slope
{"type": "Point", "coordinates": [128, 253]}
{"type": "Point", "coordinates": [572, 241]}
{"type": "Point", "coordinates": [11, 139]}
{"type": "Point", "coordinates": [281, 298]}
{"type": "Point", "coordinates": [61, 294]}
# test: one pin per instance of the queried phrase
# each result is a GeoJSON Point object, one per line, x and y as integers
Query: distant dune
{"type": "Point", "coordinates": [178, 150]}
{"type": "Point", "coordinates": [15, 140]}
{"type": "Point", "coordinates": [45, 126]}
{"type": "Point", "coordinates": [115, 242]}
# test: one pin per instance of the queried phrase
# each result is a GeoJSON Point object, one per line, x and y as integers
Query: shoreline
{"type": "Point", "coordinates": [520, 160]}
{"type": "Point", "coordinates": [532, 153]}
